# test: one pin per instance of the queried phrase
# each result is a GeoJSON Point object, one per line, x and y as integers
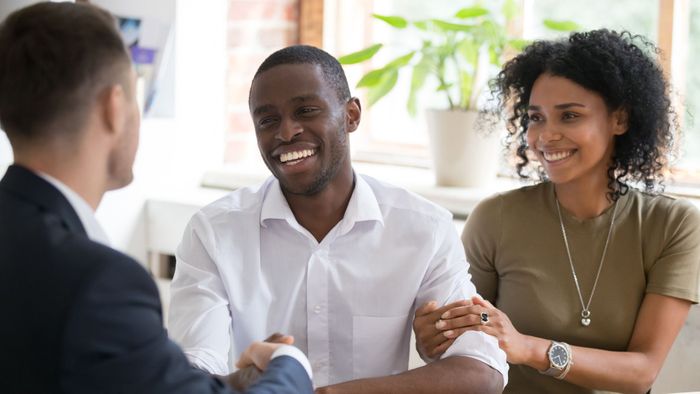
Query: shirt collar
{"type": "Point", "coordinates": [275, 206]}
{"type": "Point", "coordinates": [82, 208]}
{"type": "Point", "coordinates": [363, 206]}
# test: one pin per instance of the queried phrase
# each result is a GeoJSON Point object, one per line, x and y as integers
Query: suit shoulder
{"type": "Point", "coordinates": [100, 261]}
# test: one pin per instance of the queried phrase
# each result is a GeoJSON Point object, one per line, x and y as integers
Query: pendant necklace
{"type": "Point", "coordinates": [585, 311]}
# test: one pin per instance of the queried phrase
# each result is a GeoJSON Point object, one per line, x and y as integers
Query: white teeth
{"type": "Point", "coordinates": [556, 156]}
{"type": "Point", "coordinates": [296, 155]}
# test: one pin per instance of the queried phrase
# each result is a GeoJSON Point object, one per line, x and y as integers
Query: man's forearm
{"type": "Point", "coordinates": [452, 375]}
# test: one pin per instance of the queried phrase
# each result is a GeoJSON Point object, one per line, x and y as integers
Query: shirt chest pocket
{"type": "Point", "coordinates": [380, 345]}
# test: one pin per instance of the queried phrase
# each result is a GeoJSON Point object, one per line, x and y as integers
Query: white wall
{"type": "Point", "coordinates": [174, 153]}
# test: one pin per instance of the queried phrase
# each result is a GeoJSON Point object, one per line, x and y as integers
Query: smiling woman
{"type": "Point", "coordinates": [587, 280]}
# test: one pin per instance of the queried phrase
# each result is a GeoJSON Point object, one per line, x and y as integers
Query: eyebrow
{"type": "Point", "coordinates": [558, 106]}
{"type": "Point", "coordinates": [305, 97]}
{"type": "Point", "coordinates": [268, 108]}
{"type": "Point", "coordinates": [263, 109]}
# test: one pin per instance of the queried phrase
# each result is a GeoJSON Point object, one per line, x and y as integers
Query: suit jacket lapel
{"type": "Point", "coordinates": [31, 187]}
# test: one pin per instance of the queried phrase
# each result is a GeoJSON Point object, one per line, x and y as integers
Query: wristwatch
{"type": "Point", "coordinates": [560, 360]}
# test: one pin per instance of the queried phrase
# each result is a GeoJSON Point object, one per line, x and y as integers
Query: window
{"type": "Point", "coordinates": [388, 133]}
{"type": "Point", "coordinates": [691, 155]}
{"type": "Point", "coordinates": [637, 16]}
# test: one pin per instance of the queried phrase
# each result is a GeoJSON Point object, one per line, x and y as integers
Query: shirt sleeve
{"type": "Point", "coordinates": [676, 272]}
{"type": "Point", "coordinates": [199, 318]}
{"type": "Point", "coordinates": [295, 353]}
{"type": "Point", "coordinates": [448, 280]}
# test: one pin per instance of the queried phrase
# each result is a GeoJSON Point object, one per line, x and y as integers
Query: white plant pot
{"type": "Point", "coordinates": [462, 156]}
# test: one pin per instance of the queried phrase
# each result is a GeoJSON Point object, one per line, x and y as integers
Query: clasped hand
{"type": "Point", "coordinates": [255, 359]}
{"type": "Point", "coordinates": [437, 328]}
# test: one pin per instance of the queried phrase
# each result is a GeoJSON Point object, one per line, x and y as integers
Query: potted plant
{"type": "Point", "coordinates": [458, 56]}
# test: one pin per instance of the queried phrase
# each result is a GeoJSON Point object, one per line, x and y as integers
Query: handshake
{"type": "Point", "coordinates": [254, 361]}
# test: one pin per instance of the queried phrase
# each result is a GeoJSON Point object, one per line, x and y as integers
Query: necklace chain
{"type": "Point", "coordinates": [585, 312]}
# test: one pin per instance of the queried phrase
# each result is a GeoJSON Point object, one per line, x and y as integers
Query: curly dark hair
{"type": "Point", "coordinates": [621, 68]}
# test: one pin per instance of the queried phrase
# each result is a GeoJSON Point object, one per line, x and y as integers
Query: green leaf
{"type": "Point", "coordinates": [421, 25]}
{"type": "Point", "coordinates": [518, 43]}
{"type": "Point", "coordinates": [444, 86]}
{"type": "Point", "coordinates": [495, 56]}
{"type": "Point", "coordinates": [449, 26]}
{"type": "Point", "coordinates": [469, 51]}
{"type": "Point", "coordinates": [360, 56]}
{"type": "Point", "coordinates": [384, 86]}
{"type": "Point", "coordinates": [401, 60]}
{"type": "Point", "coordinates": [420, 73]}
{"type": "Point", "coordinates": [395, 21]}
{"type": "Point", "coordinates": [471, 12]}
{"type": "Point", "coordinates": [561, 25]}
{"type": "Point", "coordinates": [372, 78]}
{"type": "Point", "coordinates": [491, 32]}
{"type": "Point", "coordinates": [465, 88]}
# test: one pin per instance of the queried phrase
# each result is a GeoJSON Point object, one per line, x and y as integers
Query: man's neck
{"type": "Point", "coordinates": [76, 173]}
{"type": "Point", "coordinates": [320, 212]}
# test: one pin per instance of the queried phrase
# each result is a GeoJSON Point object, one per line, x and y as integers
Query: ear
{"type": "Point", "coordinates": [353, 113]}
{"type": "Point", "coordinates": [620, 118]}
{"type": "Point", "coordinates": [113, 103]}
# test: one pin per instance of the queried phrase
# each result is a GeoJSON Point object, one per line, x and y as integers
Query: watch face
{"type": "Point", "coordinates": [558, 356]}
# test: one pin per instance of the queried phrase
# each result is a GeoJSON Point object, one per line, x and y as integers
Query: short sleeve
{"type": "Point", "coordinates": [480, 238]}
{"type": "Point", "coordinates": [676, 272]}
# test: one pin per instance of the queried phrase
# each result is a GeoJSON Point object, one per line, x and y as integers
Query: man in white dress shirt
{"type": "Point", "coordinates": [338, 260]}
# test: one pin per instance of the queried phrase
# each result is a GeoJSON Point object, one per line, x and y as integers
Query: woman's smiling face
{"type": "Point", "coordinates": [570, 129]}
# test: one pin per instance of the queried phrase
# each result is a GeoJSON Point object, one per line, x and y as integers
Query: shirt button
{"type": "Point", "coordinates": [317, 309]}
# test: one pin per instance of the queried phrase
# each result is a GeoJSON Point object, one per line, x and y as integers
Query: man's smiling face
{"type": "Point", "coordinates": [301, 126]}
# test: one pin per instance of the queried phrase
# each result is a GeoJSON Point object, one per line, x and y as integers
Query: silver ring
{"type": "Point", "coordinates": [484, 318]}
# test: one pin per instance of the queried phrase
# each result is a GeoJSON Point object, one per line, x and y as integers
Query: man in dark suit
{"type": "Point", "coordinates": [78, 316]}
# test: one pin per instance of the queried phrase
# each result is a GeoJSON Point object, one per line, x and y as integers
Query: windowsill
{"type": "Point", "coordinates": [459, 200]}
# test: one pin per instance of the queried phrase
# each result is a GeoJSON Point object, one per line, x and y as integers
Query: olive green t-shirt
{"type": "Point", "coordinates": [514, 244]}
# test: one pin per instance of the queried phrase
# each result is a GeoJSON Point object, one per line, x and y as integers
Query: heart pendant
{"type": "Point", "coordinates": [586, 321]}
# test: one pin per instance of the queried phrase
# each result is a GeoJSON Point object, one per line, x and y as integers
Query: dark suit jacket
{"type": "Point", "coordinates": [79, 317]}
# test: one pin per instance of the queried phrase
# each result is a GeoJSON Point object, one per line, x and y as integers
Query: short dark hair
{"type": "Point", "coordinates": [621, 68]}
{"type": "Point", "coordinates": [54, 60]}
{"type": "Point", "coordinates": [306, 54]}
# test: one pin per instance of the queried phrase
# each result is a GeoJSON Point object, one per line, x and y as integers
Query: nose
{"type": "Point", "coordinates": [548, 133]}
{"type": "Point", "coordinates": [289, 129]}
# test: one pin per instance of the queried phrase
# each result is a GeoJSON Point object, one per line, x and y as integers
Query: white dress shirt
{"type": "Point", "coordinates": [246, 269]}
{"type": "Point", "coordinates": [82, 209]}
